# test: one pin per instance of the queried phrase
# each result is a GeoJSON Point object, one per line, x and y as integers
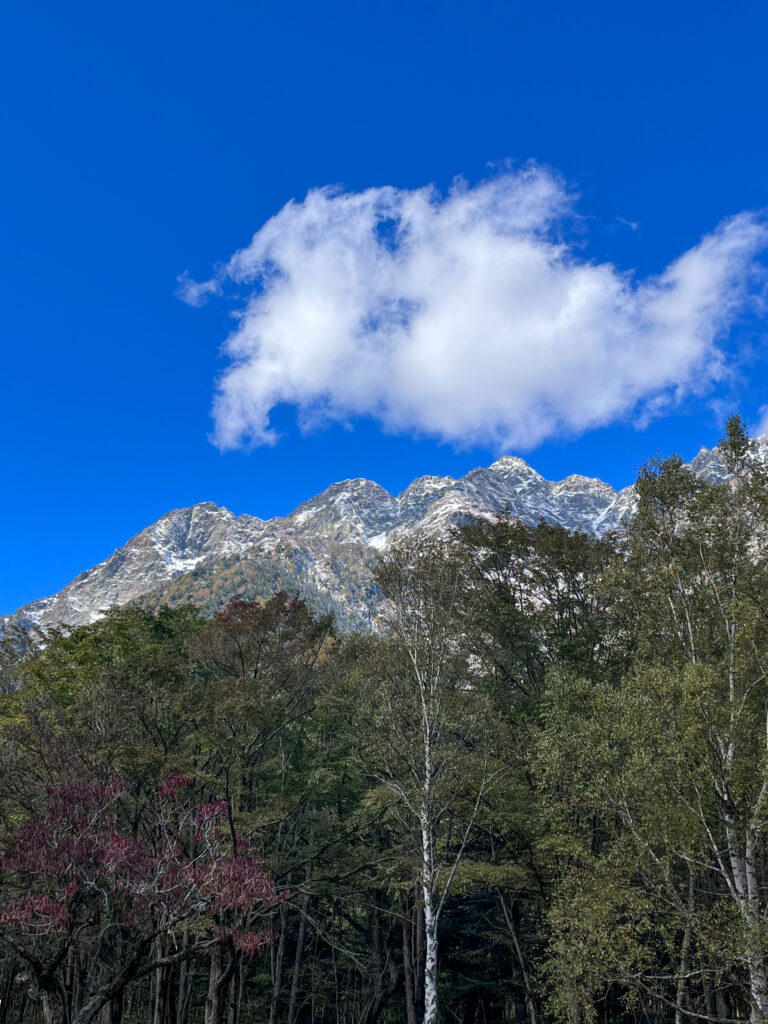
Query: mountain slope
{"type": "Point", "coordinates": [324, 549]}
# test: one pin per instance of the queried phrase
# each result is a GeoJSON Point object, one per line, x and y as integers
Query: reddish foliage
{"type": "Point", "coordinates": [249, 943]}
{"type": "Point", "coordinates": [80, 857]}
{"type": "Point", "coordinates": [171, 783]}
{"type": "Point", "coordinates": [35, 912]}
{"type": "Point", "coordinates": [209, 813]}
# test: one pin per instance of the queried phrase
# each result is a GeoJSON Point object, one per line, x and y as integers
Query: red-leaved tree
{"type": "Point", "coordinates": [117, 882]}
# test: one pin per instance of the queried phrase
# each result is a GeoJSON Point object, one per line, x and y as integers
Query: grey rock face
{"type": "Point", "coordinates": [327, 544]}
{"type": "Point", "coordinates": [175, 544]}
{"type": "Point", "coordinates": [353, 510]}
{"type": "Point", "coordinates": [708, 465]}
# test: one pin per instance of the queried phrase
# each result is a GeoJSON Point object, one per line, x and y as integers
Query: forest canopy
{"type": "Point", "coordinates": [539, 792]}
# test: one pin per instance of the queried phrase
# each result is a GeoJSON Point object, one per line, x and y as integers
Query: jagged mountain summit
{"type": "Point", "coordinates": [324, 549]}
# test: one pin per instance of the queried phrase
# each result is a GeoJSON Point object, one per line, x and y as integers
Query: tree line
{"type": "Point", "coordinates": [538, 792]}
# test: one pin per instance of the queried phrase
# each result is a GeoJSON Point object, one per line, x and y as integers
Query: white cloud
{"type": "Point", "coordinates": [761, 427]}
{"type": "Point", "coordinates": [195, 293]}
{"type": "Point", "coordinates": [466, 317]}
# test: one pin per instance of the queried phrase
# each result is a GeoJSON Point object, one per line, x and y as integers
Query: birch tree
{"type": "Point", "coordinates": [430, 726]}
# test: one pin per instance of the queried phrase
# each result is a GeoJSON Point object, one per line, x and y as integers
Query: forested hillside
{"type": "Point", "coordinates": [539, 793]}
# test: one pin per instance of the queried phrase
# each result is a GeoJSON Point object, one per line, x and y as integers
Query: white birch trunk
{"type": "Point", "coordinates": [430, 962]}
{"type": "Point", "coordinates": [430, 910]}
{"type": "Point", "coordinates": [758, 987]}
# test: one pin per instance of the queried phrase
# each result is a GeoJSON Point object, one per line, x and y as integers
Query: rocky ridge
{"type": "Point", "coordinates": [324, 549]}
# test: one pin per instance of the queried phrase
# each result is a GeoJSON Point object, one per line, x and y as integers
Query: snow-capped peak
{"type": "Point", "coordinates": [325, 546]}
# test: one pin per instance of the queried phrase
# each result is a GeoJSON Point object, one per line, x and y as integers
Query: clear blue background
{"type": "Point", "coordinates": [144, 139]}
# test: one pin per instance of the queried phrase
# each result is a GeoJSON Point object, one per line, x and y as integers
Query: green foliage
{"type": "Point", "coordinates": [577, 726]}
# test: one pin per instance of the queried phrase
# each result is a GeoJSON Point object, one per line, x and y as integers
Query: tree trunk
{"type": "Point", "coordinates": [758, 987]}
{"type": "Point", "coordinates": [159, 1013]}
{"type": "Point", "coordinates": [408, 971]}
{"type": "Point", "coordinates": [277, 967]}
{"type": "Point", "coordinates": [50, 1005]}
{"type": "Point", "coordinates": [470, 1007]}
{"type": "Point", "coordinates": [430, 960]}
{"type": "Point", "coordinates": [217, 999]}
{"type": "Point", "coordinates": [214, 1011]}
{"type": "Point", "coordinates": [234, 991]}
{"type": "Point", "coordinates": [522, 961]}
{"type": "Point", "coordinates": [374, 993]}
{"type": "Point", "coordinates": [428, 881]}
{"type": "Point", "coordinates": [186, 985]}
{"type": "Point", "coordinates": [70, 983]}
{"type": "Point", "coordinates": [52, 1010]}
{"type": "Point", "coordinates": [685, 947]}
{"type": "Point", "coordinates": [5, 1002]}
{"type": "Point", "coordinates": [112, 1012]}
{"type": "Point", "coordinates": [298, 959]}
{"type": "Point", "coordinates": [418, 961]}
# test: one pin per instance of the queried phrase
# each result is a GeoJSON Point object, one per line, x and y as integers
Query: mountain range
{"type": "Point", "coordinates": [324, 550]}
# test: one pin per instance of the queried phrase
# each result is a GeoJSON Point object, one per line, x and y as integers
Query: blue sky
{"type": "Point", "coordinates": [145, 141]}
